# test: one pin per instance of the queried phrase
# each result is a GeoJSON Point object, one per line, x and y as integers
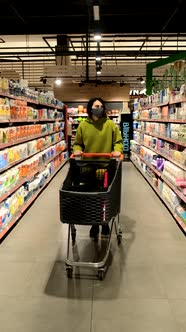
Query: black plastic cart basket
{"type": "Point", "coordinates": [91, 195]}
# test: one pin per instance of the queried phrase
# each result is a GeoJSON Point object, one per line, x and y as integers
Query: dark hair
{"type": "Point", "coordinates": [91, 102]}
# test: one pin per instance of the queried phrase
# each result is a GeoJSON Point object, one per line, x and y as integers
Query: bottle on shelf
{"type": "Point", "coordinates": [158, 148]}
{"type": "Point", "coordinates": [33, 147]}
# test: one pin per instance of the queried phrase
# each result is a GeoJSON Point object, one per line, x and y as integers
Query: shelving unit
{"type": "Point", "coordinates": [158, 150]}
{"type": "Point", "coordinates": [33, 148]}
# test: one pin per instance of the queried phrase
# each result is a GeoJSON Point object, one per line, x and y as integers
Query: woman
{"type": "Point", "coordinates": [98, 134]}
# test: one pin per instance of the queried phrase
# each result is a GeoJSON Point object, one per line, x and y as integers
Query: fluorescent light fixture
{"type": "Point", "coordinates": [96, 13]}
{"type": "Point", "coordinates": [97, 36]}
{"type": "Point", "coordinates": [98, 58]}
{"type": "Point", "coordinates": [58, 81]}
{"type": "Point", "coordinates": [98, 72]}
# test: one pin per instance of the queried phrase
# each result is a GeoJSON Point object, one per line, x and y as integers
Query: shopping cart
{"type": "Point", "coordinates": [91, 195]}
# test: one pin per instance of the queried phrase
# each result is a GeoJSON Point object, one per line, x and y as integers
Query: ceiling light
{"type": "Point", "coordinates": [96, 13]}
{"type": "Point", "coordinates": [97, 36]}
{"type": "Point", "coordinates": [98, 57]}
{"type": "Point", "coordinates": [98, 67]}
{"type": "Point", "coordinates": [58, 81]}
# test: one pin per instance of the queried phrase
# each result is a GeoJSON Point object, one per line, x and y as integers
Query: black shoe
{"type": "Point", "coordinates": [105, 230]}
{"type": "Point", "coordinates": [94, 231]}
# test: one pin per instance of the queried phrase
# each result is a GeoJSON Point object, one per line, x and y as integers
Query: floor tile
{"type": "Point", "coordinates": [179, 312]}
{"type": "Point", "coordinates": [144, 285]}
{"type": "Point", "coordinates": [44, 314]}
{"type": "Point", "coordinates": [133, 316]}
{"type": "Point", "coordinates": [173, 277]}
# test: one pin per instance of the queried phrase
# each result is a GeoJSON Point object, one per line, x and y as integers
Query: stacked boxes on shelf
{"type": "Point", "coordinates": [33, 147]}
{"type": "Point", "coordinates": [159, 144]}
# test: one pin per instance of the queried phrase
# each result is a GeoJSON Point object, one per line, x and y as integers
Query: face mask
{"type": "Point", "coordinates": [97, 111]}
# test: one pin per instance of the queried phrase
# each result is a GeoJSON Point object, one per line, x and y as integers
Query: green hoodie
{"type": "Point", "coordinates": [101, 136]}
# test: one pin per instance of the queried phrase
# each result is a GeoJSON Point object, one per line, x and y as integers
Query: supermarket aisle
{"type": "Point", "coordinates": [144, 289]}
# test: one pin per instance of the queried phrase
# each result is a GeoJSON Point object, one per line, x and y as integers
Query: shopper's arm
{"type": "Point", "coordinates": [78, 145]}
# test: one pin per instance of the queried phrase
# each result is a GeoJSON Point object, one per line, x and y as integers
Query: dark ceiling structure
{"type": "Point", "coordinates": [134, 33]}
{"type": "Point", "coordinates": [70, 16]}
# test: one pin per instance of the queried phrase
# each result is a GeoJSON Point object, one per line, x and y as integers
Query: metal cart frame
{"type": "Point", "coordinates": [81, 207]}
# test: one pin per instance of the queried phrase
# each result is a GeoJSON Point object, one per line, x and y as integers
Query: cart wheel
{"type": "Point", "coordinates": [101, 274]}
{"type": "Point", "coordinates": [119, 238]}
{"type": "Point", "coordinates": [69, 272]}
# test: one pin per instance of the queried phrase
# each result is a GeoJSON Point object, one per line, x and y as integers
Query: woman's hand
{"type": "Point", "coordinates": [116, 154]}
{"type": "Point", "coordinates": [78, 153]}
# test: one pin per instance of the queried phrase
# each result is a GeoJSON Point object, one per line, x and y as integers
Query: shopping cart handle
{"type": "Point", "coordinates": [97, 154]}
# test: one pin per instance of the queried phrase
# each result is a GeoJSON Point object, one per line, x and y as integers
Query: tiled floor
{"type": "Point", "coordinates": [144, 289]}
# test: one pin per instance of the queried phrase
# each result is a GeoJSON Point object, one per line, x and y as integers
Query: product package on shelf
{"type": "Point", "coordinates": [33, 148]}
{"type": "Point", "coordinates": [158, 148]}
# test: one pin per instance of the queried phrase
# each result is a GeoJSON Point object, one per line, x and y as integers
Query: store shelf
{"type": "Point", "coordinates": [165, 156]}
{"type": "Point", "coordinates": [10, 121]}
{"type": "Point", "coordinates": [176, 217]}
{"type": "Point", "coordinates": [22, 210]}
{"type": "Point", "coordinates": [27, 157]}
{"type": "Point", "coordinates": [166, 103]}
{"type": "Point", "coordinates": [27, 139]}
{"type": "Point", "coordinates": [161, 120]}
{"type": "Point", "coordinates": [10, 225]}
{"type": "Point", "coordinates": [165, 138]}
{"type": "Point", "coordinates": [32, 199]}
{"type": "Point", "coordinates": [27, 178]}
{"type": "Point", "coordinates": [160, 175]}
{"type": "Point", "coordinates": [54, 157]}
{"type": "Point", "coordinates": [177, 191]}
{"type": "Point", "coordinates": [167, 144]}
{"type": "Point", "coordinates": [148, 164]}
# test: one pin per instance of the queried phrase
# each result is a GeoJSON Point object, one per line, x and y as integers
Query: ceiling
{"type": "Point", "coordinates": [22, 17]}
{"type": "Point", "coordinates": [47, 41]}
